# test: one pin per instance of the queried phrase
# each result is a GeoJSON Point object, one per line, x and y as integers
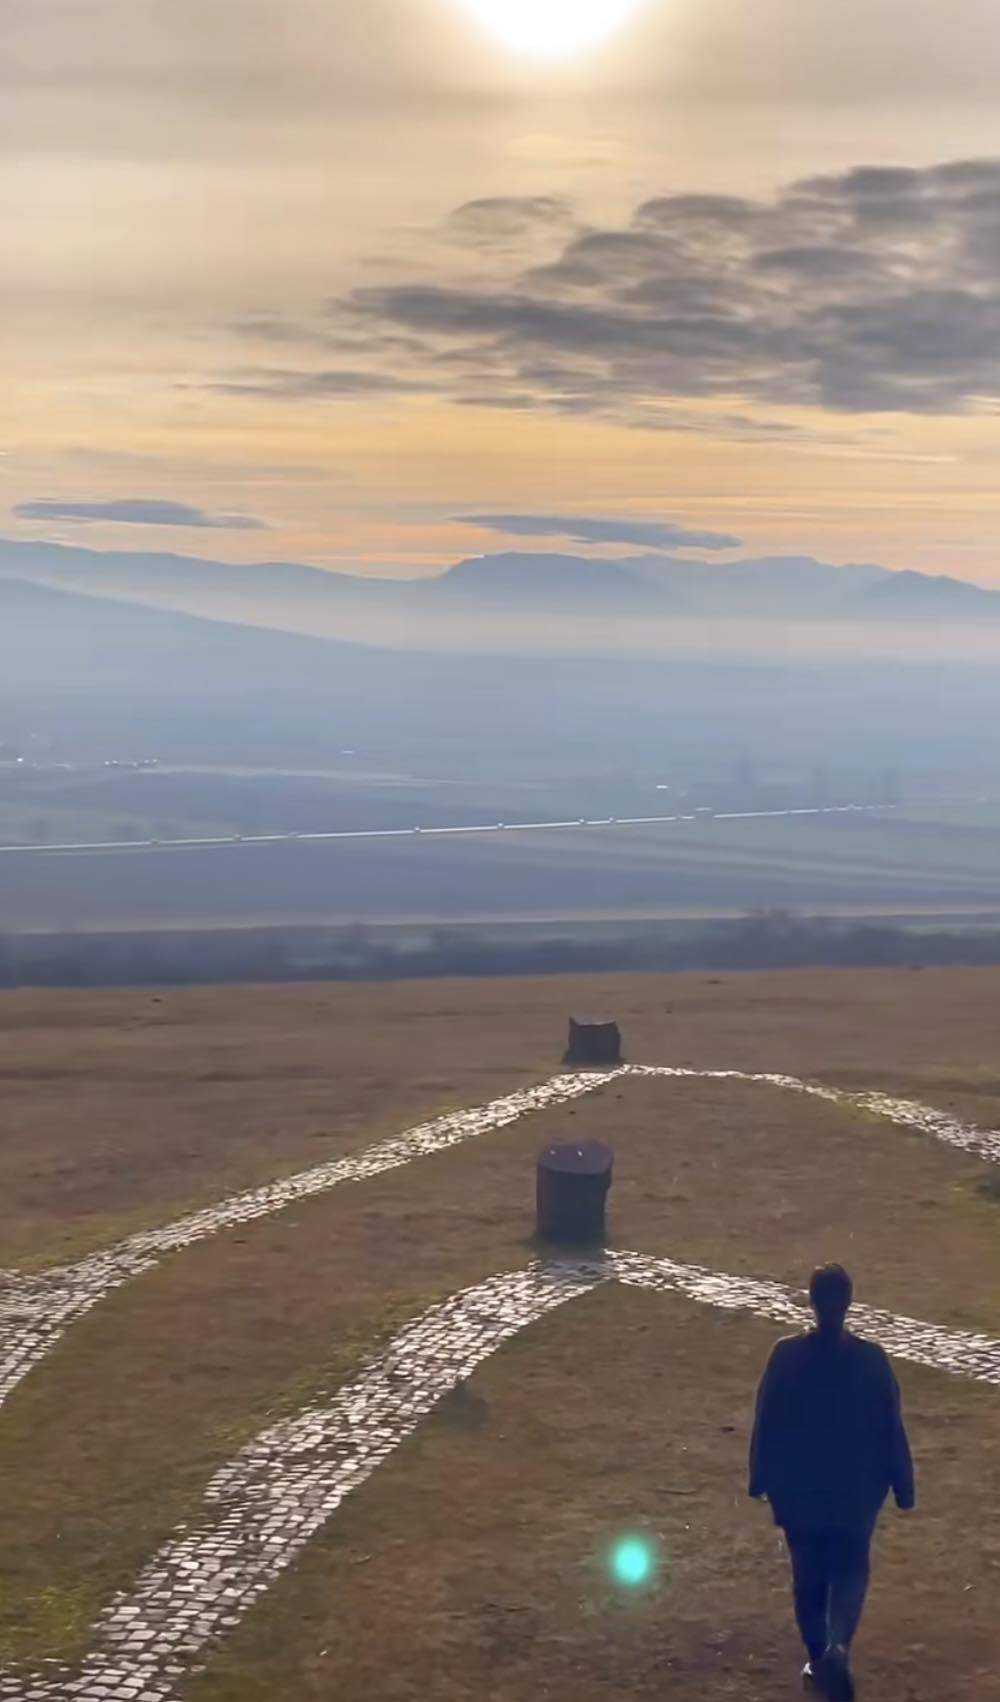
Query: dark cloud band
{"type": "Point", "coordinates": [872, 291]}
{"type": "Point", "coordinates": [138, 511]}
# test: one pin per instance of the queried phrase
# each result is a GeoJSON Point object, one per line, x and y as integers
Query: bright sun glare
{"type": "Point", "coordinates": [551, 29]}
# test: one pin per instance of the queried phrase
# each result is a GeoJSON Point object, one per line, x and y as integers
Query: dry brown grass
{"type": "Point", "coordinates": [123, 1107]}
{"type": "Point", "coordinates": [475, 1563]}
{"type": "Point", "coordinates": [485, 1534]}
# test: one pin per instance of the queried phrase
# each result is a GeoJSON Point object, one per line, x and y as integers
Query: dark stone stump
{"type": "Point", "coordinates": [572, 1194]}
{"type": "Point", "coordinates": [593, 1043]}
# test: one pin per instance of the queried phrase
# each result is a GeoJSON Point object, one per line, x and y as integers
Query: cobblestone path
{"type": "Point", "coordinates": [35, 1311]}
{"type": "Point", "coordinates": [263, 1506]}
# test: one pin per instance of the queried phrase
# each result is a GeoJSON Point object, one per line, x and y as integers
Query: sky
{"type": "Point", "coordinates": [369, 287]}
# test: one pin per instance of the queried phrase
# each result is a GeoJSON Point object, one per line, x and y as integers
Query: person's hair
{"type": "Point", "coordinates": [831, 1292]}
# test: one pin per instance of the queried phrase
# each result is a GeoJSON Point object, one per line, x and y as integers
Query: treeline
{"type": "Point", "coordinates": [765, 940]}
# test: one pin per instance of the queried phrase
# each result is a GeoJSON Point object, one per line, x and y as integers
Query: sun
{"type": "Point", "coordinates": [551, 29]}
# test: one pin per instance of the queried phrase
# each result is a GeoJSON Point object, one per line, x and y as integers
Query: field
{"type": "Point", "coordinates": [847, 863]}
{"type": "Point", "coordinates": [474, 1560]}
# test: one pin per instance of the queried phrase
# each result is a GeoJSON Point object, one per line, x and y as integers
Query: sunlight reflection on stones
{"type": "Point", "coordinates": [35, 1311]}
{"type": "Point", "coordinates": [263, 1507]}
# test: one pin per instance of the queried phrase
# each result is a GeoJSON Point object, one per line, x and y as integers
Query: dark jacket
{"type": "Point", "coordinates": [828, 1439]}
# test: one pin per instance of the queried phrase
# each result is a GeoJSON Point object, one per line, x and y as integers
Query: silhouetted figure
{"type": "Point", "coordinates": [828, 1444]}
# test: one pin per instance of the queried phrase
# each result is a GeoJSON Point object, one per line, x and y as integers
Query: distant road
{"type": "Point", "coordinates": [218, 841]}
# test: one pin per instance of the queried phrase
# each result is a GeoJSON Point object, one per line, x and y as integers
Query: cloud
{"type": "Point", "coordinates": [581, 529]}
{"type": "Point", "coordinates": [138, 511]}
{"type": "Point", "coordinates": [499, 219]}
{"type": "Point", "coordinates": [295, 385]}
{"type": "Point", "coordinates": [875, 290]}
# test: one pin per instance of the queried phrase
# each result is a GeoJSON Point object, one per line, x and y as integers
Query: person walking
{"type": "Point", "coordinates": [828, 1444]}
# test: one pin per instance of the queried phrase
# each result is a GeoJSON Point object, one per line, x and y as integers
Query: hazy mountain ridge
{"type": "Point", "coordinates": [55, 633]}
{"type": "Point", "coordinates": [512, 584]}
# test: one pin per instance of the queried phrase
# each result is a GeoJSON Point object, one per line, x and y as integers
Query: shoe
{"type": "Point", "coordinates": [833, 1675]}
{"type": "Point", "coordinates": [809, 1683]}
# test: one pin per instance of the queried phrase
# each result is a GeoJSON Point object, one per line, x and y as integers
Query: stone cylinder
{"type": "Point", "coordinates": [573, 1182]}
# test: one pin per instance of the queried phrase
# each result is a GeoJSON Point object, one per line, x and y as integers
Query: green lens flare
{"type": "Point", "coordinates": [632, 1562]}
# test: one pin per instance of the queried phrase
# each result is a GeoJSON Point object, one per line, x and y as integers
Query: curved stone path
{"type": "Point", "coordinates": [36, 1311]}
{"type": "Point", "coordinates": [264, 1506]}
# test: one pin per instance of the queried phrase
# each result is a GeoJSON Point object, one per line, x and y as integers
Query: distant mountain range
{"type": "Point", "coordinates": [765, 587]}
{"type": "Point", "coordinates": [508, 586]}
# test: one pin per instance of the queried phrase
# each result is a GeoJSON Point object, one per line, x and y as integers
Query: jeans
{"type": "Point", "coordinates": [830, 1578]}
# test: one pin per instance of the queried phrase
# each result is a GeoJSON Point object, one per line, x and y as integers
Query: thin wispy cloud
{"type": "Point", "coordinates": [583, 529]}
{"type": "Point", "coordinates": [138, 511]}
{"type": "Point", "coordinates": [290, 384]}
{"type": "Point", "coordinates": [502, 220]}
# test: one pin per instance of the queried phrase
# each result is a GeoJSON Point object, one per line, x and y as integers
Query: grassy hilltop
{"type": "Point", "coordinates": [473, 1563]}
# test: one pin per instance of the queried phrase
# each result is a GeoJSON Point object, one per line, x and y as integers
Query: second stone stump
{"type": "Point", "coordinates": [593, 1042]}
